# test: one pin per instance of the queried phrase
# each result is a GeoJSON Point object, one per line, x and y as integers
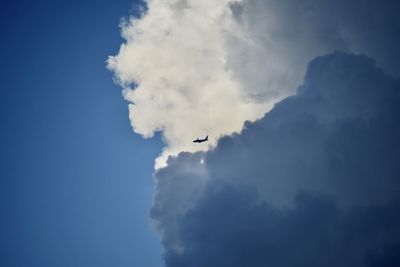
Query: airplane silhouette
{"type": "Point", "coordinates": [200, 140]}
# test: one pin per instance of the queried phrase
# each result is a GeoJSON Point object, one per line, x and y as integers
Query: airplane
{"type": "Point", "coordinates": [200, 140]}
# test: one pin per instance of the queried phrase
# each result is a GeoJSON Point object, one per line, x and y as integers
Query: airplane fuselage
{"type": "Point", "coordinates": [200, 140]}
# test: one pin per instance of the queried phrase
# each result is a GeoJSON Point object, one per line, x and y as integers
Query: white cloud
{"type": "Point", "coordinates": [176, 57]}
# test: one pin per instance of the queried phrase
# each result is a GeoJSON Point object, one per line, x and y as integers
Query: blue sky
{"type": "Point", "coordinates": [76, 183]}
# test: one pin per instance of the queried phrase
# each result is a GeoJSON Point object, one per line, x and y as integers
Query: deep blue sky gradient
{"type": "Point", "coordinates": [75, 181]}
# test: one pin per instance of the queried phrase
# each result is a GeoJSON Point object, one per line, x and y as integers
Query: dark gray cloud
{"type": "Point", "coordinates": [313, 183]}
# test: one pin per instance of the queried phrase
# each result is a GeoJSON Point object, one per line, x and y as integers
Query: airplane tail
{"type": "Point", "coordinates": [207, 137]}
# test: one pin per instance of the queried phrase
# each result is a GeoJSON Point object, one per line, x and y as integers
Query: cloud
{"type": "Point", "coordinates": [191, 68]}
{"type": "Point", "coordinates": [312, 183]}
{"type": "Point", "coordinates": [315, 182]}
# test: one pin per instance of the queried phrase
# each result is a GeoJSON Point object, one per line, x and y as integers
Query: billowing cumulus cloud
{"type": "Point", "coordinates": [191, 68]}
{"type": "Point", "coordinates": [313, 183]}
